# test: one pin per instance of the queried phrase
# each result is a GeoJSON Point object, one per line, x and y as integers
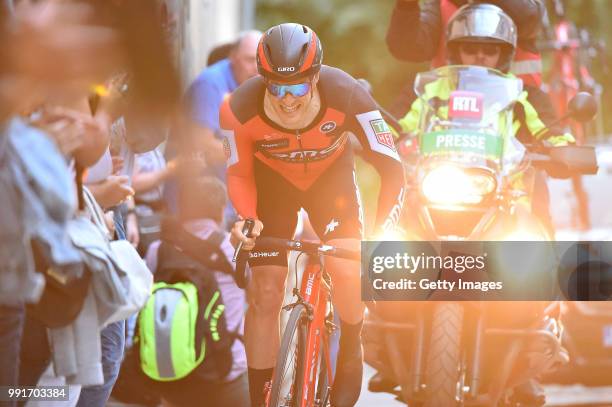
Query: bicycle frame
{"type": "Point", "coordinates": [312, 313]}
{"type": "Point", "coordinates": [316, 293]}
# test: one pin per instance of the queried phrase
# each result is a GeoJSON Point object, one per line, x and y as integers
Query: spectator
{"type": "Point", "coordinates": [53, 52]}
{"type": "Point", "coordinates": [35, 356]}
{"type": "Point", "coordinates": [218, 53]}
{"type": "Point", "coordinates": [150, 174]}
{"type": "Point", "coordinates": [34, 76]}
{"type": "Point", "coordinates": [214, 83]}
{"type": "Point", "coordinates": [416, 32]}
{"type": "Point", "coordinates": [202, 205]}
{"type": "Point", "coordinates": [204, 97]}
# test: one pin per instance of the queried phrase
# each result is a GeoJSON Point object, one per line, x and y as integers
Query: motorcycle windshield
{"type": "Point", "coordinates": [466, 114]}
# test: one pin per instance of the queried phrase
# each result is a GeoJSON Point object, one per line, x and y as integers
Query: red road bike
{"type": "Point", "coordinates": [303, 372]}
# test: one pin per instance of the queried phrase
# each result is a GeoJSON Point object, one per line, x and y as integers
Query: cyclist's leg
{"type": "Point", "coordinates": [277, 208]}
{"type": "Point", "coordinates": [261, 329]}
{"type": "Point", "coordinates": [334, 209]}
{"type": "Point", "coordinates": [347, 300]}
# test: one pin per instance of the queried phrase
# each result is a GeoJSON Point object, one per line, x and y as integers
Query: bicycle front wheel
{"type": "Point", "coordinates": [287, 382]}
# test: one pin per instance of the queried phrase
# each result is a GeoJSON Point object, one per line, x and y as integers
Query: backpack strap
{"type": "Point", "coordinates": [207, 252]}
{"type": "Point", "coordinates": [170, 260]}
{"type": "Point", "coordinates": [216, 238]}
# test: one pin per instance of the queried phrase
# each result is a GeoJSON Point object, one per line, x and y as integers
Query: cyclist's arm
{"type": "Point", "coordinates": [239, 152]}
{"type": "Point", "coordinates": [366, 122]}
{"type": "Point", "coordinates": [414, 31]}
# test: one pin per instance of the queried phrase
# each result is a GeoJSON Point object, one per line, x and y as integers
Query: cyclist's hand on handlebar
{"type": "Point", "coordinates": [247, 242]}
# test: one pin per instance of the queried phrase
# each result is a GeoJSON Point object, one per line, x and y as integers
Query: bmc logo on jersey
{"type": "Point", "coordinates": [285, 69]}
{"type": "Point", "coordinates": [465, 105]}
{"type": "Point", "coordinates": [327, 127]}
{"type": "Point", "coordinates": [299, 156]}
{"type": "Point", "coordinates": [383, 134]}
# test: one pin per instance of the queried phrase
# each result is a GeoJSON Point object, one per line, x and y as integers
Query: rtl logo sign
{"type": "Point", "coordinates": [465, 105]}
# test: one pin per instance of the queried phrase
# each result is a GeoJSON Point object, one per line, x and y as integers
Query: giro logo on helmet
{"type": "Point", "coordinates": [289, 49]}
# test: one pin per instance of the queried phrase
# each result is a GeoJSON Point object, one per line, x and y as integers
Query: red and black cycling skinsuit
{"type": "Point", "coordinates": [273, 172]}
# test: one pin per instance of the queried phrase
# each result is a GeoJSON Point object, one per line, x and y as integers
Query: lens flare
{"type": "Point", "coordinates": [450, 185]}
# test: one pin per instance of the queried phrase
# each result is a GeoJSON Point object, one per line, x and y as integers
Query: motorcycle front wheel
{"type": "Point", "coordinates": [444, 356]}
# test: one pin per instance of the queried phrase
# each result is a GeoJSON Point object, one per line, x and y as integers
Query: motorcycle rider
{"type": "Point", "coordinates": [483, 35]}
{"type": "Point", "coordinates": [426, 21]}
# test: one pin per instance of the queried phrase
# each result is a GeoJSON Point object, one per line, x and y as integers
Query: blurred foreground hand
{"type": "Point", "coordinates": [54, 51]}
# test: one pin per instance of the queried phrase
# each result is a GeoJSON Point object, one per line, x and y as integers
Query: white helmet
{"type": "Point", "coordinates": [482, 23]}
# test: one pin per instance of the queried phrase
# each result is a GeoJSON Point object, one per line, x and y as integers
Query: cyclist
{"type": "Point", "coordinates": [288, 146]}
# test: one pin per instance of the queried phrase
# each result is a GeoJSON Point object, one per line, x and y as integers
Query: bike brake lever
{"type": "Point", "coordinates": [247, 229]}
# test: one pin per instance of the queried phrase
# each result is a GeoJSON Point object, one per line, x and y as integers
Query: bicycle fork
{"type": "Point", "coordinates": [316, 296]}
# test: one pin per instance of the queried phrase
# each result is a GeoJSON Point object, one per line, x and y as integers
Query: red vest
{"type": "Point", "coordinates": [526, 65]}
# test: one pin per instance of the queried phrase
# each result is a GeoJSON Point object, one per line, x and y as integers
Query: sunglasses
{"type": "Point", "coordinates": [297, 90]}
{"type": "Point", "coordinates": [487, 49]}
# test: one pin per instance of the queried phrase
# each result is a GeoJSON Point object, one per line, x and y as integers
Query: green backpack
{"type": "Point", "coordinates": [183, 323]}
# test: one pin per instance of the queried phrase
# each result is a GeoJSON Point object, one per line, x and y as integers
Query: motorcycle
{"type": "Point", "coordinates": [467, 176]}
{"type": "Point", "coordinates": [587, 336]}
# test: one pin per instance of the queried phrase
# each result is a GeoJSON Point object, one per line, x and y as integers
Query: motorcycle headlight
{"type": "Point", "coordinates": [451, 185]}
{"type": "Point", "coordinates": [524, 236]}
{"type": "Point", "coordinates": [526, 233]}
{"type": "Point", "coordinates": [394, 235]}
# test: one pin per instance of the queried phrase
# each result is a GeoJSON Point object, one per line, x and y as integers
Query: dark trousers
{"type": "Point", "coordinates": [193, 392]}
{"type": "Point", "coordinates": [11, 330]}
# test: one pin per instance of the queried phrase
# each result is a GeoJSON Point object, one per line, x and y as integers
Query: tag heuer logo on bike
{"type": "Point", "coordinates": [254, 255]}
{"type": "Point", "coordinates": [465, 105]}
{"type": "Point", "coordinates": [327, 127]}
{"type": "Point", "coordinates": [382, 132]}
